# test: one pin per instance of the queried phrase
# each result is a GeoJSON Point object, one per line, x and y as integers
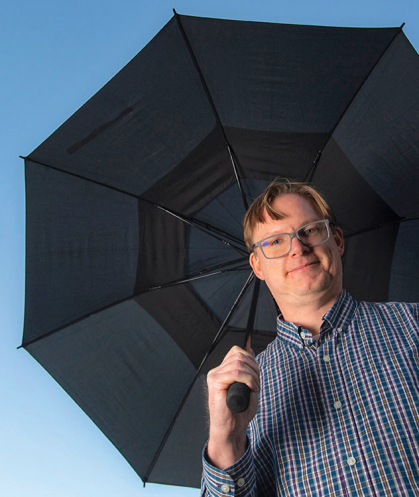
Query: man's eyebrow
{"type": "Point", "coordinates": [280, 232]}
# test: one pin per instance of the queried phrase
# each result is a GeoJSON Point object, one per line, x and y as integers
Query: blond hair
{"type": "Point", "coordinates": [278, 187]}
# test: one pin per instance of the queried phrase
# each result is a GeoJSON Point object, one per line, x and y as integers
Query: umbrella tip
{"type": "Point", "coordinates": [174, 12]}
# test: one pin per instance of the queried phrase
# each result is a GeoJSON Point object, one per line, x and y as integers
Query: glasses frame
{"type": "Point", "coordinates": [295, 235]}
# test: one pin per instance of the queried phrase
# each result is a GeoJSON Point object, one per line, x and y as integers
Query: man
{"type": "Point", "coordinates": [334, 405]}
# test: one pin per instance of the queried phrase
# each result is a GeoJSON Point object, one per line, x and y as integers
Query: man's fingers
{"type": "Point", "coordinates": [223, 379]}
{"type": "Point", "coordinates": [241, 357]}
{"type": "Point", "coordinates": [238, 366]}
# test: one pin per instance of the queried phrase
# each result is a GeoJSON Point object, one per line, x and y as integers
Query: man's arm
{"type": "Point", "coordinates": [227, 436]}
{"type": "Point", "coordinates": [227, 442]}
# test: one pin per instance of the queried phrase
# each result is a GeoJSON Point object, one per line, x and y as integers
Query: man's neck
{"type": "Point", "coordinates": [307, 313]}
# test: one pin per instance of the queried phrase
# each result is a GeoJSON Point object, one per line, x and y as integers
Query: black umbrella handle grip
{"type": "Point", "coordinates": [238, 397]}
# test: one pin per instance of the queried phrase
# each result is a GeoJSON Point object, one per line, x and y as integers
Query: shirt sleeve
{"type": "Point", "coordinates": [237, 480]}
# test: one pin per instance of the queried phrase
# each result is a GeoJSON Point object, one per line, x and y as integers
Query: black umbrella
{"type": "Point", "coordinates": [137, 280]}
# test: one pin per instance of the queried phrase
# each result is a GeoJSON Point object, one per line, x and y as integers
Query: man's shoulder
{"type": "Point", "coordinates": [389, 310]}
{"type": "Point", "coordinates": [400, 306]}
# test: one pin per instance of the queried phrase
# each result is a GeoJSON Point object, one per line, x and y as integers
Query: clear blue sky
{"type": "Point", "coordinates": [54, 56]}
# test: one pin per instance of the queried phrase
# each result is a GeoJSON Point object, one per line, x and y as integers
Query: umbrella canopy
{"type": "Point", "coordinates": [137, 280]}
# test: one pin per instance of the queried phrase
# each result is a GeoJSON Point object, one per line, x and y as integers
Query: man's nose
{"type": "Point", "coordinates": [298, 247]}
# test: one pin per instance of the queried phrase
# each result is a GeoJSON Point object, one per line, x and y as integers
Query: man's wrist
{"type": "Point", "coordinates": [223, 452]}
{"type": "Point", "coordinates": [239, 476]}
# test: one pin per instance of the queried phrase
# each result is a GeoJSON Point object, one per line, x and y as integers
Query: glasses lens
{"type": "Point", "coordinates": [276, 246]}
{"type": "Point", "coordinates": [314, 234]}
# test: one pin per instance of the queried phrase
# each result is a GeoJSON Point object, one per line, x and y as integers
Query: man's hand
{"type": "Point", "coordinates": [227, 440]}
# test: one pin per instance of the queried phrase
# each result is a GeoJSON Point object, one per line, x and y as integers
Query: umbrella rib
{"type": "Point", "coordinates": [313, 169]}
{"type": "Point", "coordinates": [219, 231]}
{"type": "Point", "coordinates": [205, 227]}
{"type": "Point", "coordinates": [119, 190]}
{"type": "Point", "coordinates": [233, 159]}
{"type": "Point", "coordinates": [380, 225]}
{"type": "Point", "coordinates": [204, 273]}
{"type": "Point", "coordinates": [198, 371]}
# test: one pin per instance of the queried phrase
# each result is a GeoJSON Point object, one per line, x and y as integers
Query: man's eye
{"type": "Point", "coordinates": [277, 241]}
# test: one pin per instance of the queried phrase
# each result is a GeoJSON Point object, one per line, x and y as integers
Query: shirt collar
{"type": "Point", "coordinates": [336, 320]}
{"type": "Point", "coordinates": [340, 315]}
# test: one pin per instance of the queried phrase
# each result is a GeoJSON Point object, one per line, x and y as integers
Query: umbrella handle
{"type": "Point", "coordinates": [238, 397]}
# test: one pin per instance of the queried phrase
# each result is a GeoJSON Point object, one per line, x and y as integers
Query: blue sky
{"type": "Point", "coordinates": [54, 56]}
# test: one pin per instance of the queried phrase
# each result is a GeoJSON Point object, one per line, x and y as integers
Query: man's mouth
{"type": "Point", "coordinates": [303, 266]}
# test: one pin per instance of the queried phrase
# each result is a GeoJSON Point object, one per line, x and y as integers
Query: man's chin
{"type": "Point", "coordinates": [306, 287]}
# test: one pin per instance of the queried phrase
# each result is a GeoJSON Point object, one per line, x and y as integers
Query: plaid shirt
{"type": "Point", "coordinates": [337, 417]}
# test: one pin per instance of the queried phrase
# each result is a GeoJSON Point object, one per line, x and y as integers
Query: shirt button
{"type": "Point", "coordinates": [339, 329]}
{"type": "Point", "coordinates": [326, 358]}
{"type": "Point", "coordinates": [225, 488]}
{"type": "Point", "coordinates": [240, 482]}
{"type": "Point", "coordinates": [337, 404]}
{"type": "Point", "coordinates": [351, 461]}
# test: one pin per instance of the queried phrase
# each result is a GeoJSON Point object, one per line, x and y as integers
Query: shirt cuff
{"type": "Point", "coordinates": [236, 480]}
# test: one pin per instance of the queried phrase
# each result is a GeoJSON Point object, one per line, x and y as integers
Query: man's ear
{"type": "Point", "coordinates": [338, 236]}
{"type": "Point", "coordinates": [255, 263]}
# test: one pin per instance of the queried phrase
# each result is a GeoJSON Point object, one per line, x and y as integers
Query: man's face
{"type": "Point", "coordinates": [305, 273]}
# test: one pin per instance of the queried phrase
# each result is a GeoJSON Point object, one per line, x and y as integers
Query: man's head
{"type": "Point", "coordinates": [305, 272]}
{"type": "Point", "coordinates": [263, 204]}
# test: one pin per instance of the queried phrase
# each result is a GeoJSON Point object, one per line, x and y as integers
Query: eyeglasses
{"type": "Point", "coordinates": [310, 235]}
